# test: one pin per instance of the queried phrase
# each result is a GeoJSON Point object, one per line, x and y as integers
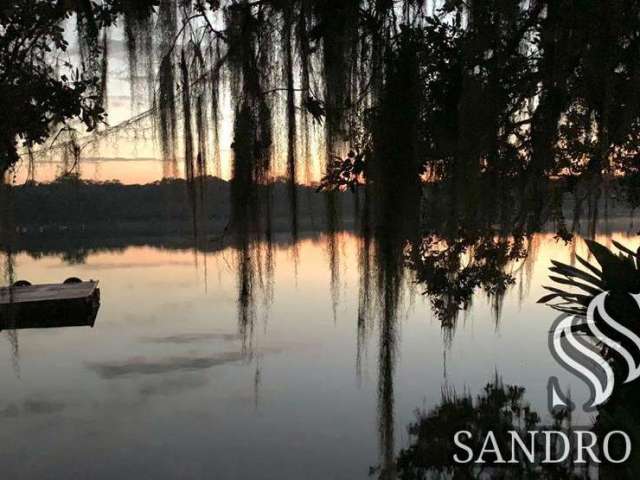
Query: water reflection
{"type": "Point", "coordinates": [499, 408]}
{"type": "Point", "coordinates": [503, 409]}
{"type": "Point", "coordinates": [163, 350]}
{"type": "Point", "coordinates": [12, 318]}
{"type": "Point", "coordinates": [463, 156]}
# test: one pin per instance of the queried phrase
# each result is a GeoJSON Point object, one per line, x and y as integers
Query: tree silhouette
{"type": "Point", "coordinates": [38, 89]}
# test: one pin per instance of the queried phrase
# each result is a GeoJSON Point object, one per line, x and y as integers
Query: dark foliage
{"type": "Point", "coordinates": [499, 409]}
{"type": "Point", "coordinates": [34, 96]}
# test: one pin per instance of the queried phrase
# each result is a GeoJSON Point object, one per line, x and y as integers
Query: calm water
{"type": "Point", "coordinates": [164, 386]}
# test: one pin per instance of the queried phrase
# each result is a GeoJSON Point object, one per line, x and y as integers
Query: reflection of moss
{"type": "Point", "coordinates": [7, 235]}
{"type": "Point", "coordinates": [75, 257]}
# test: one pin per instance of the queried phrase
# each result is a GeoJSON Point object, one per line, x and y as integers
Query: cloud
{"type": "Point", "coordinates": [142, 366]}
{"type": "Point", "coordinates": [173, 386]}
{"type": "Point", "coordinates": [194, 338]}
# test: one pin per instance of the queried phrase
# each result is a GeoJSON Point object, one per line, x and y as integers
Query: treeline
{"type": "Point", "coordinates": [452, 90]}
{"type": "Point", "coordinates": [70, 201]}
{"type": "Point", "coordinates": [74, 202]}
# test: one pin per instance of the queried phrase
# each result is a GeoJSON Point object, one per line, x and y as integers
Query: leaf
{"type": "Point", "coordinates": [571, 311]}
{"type": "Point", "coordinates": [595, 270]}
{"type": "Point", "coordinates": [624, 249]}
{"type": "Point", "coordinates": [570, 271]}
{"type": "Point", "coordinates": [619, 273]}
{"type": "Point", "coordinates": [548, 298]}
{"type": "Point", "coordinates": [605, 257]}
{"type": "Point", "coordinates": [570, 296]}
{"type": "Point", "coordinates": [582, 286]}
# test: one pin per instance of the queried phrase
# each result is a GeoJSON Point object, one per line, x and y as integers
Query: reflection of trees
{"type": "Point", "coordinates": [428, 234]}
{"type": "Point", "coordinates": [450, 248]}
{"type": "Point", "coordinates": [75, 257]}
{"type": "Point", "coordinates": [7, 249]}
{"type": "Point", "coordinates": [7, 233]}
{"type": "Point", "coordinates": [450, 270]}
{"type": "Point", "coordinates": [518, 99]}
{"type": "Point", "coordinates": [467, 244]}
{"type": "Point", "coordinates": [499, 409]}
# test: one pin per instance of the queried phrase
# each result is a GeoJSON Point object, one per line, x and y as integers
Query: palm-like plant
{"type": "Point", "coordinates": [617, 274]}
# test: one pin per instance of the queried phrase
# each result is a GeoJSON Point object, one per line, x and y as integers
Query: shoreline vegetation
{"type": "Point", "coordinates": [164, 206]}
{"type": "Point", "coordinates": [75, 204]}
{"type": "Point", "coordinates": [410, 89]}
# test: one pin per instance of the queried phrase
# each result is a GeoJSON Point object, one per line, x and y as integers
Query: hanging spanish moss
{"type": "Point", "coordinates": [320, 61]}
{"type": "Point", "coordinates": [399, 85]}
{"type": "Point", "coordinates": [201, 168]}
{"type": "Point", "coordinates": [138, 30]}
{"type": "Point", "coordinates": [189, 166]}
{"type": "Point", "coordinates": [104, 70]}
{"type": "Point", "coordinates": [167, 118]}
{"type": "Point", "coordinates": [71, 155]}
{"type": "Point", "coordinates": [291, 120]}
{"type": "Point", "coordinates": [215, 85]}
{"type": "Point", "coordinates": [92, 43]}
{"type": "Point", "coordinates": [491, 102]}
{"type": "Point", "coordinates": [339, 45]}
{"type": "Point", "coordinates": [413, 90]}
{"type": "Point", "coordinates": [459, 125]}
{"type": "Point", "coordinates": [201, 124]}
{"type": "Point", "coordinates": [165, 101]}
{"type": "Point", "coordinates": [252, 132]}
{"type": "Point", "coordinates": [250, 192]}
{"type": "Point", "coordinates": [311, 106]}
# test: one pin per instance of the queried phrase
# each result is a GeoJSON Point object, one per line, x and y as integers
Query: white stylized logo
{"type": "Point", "coordinates": [580, 347]}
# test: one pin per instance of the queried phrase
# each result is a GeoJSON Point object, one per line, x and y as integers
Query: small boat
{"type": "Point", "coordinates": [73, 303]}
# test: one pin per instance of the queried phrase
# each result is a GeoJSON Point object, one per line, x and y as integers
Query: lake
{"type": "Point", "coordinates": [180, 379]}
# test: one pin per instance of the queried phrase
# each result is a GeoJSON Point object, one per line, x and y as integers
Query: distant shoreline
{"type": "Point", "coordinates": [165, 208]}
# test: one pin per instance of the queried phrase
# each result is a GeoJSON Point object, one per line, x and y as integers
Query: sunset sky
{"type": "Point", "coordinates": [133, 155]}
